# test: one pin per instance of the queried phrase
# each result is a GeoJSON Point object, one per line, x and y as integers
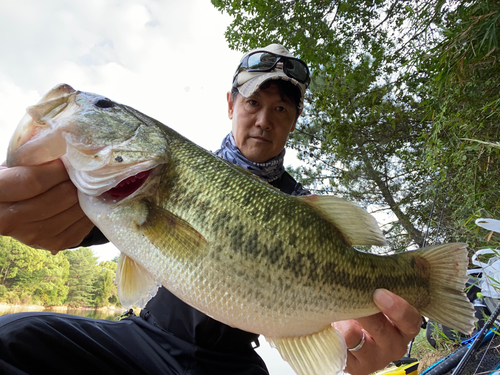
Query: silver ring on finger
{"type": "Point", "coordinates": [360, 345]}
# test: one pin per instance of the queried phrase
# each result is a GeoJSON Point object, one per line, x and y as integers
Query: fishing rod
{"type": "Point", "coordinates": [477, 342]}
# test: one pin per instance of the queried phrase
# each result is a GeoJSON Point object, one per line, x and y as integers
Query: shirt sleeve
{"type": "Point", "coordinates": [95, 237]}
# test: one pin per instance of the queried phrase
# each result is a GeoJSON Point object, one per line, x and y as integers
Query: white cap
{"type": "Point", "coordinates": [249, 82]}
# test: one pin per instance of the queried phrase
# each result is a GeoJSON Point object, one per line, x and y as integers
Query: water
{"type": "Point", "coordinates": [89, 313]}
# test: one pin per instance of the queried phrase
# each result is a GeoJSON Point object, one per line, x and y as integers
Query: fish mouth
{"type": "Point", "coordinates": [127, 186]}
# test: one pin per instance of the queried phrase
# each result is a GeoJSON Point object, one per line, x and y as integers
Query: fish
{"type": "Point", "coordinates": [226, 242]}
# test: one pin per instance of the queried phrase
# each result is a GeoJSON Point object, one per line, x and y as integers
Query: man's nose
{"type": "Point", "coordinates": [264, 120]}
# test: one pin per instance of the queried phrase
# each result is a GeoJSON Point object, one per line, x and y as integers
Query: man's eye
{"type": "Point", "coordinates": [280, 109]}
{"type": "Point", "coordinates": [253, 102]}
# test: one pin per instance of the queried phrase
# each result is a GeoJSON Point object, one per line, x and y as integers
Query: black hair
{"type": "Point", "coordinates": [286, 88]}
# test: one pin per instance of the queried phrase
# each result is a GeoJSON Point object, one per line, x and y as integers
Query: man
{"type": "Point", "coordinates": [38, 206]}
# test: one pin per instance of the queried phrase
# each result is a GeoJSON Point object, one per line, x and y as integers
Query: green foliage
{"type": "Point", "coordinates": [360, 133]}
{"type": "Point", "coordinates": [72, 277]}
{"type": "Point", "coordinates": [465, 86]}
{"type": "Point", "coordinates": [105, 292]}
{"type": "Point", "coordinates": [82, 274]}
{"type": "Point", "coordinates": [32, 276]}
{"type": "Point", "coordinates": [402, 113]}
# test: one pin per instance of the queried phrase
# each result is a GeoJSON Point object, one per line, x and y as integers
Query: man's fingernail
{"type": "Point", "coordinates": [383, 298]}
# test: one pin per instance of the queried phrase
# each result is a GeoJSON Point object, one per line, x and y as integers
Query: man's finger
{"type": "Point", "coordinates": [72, 236]}
{"type": "Point", "coordinates": [379, 327]}
{"type": "Point", "coordinates": [405, 317]}
{"type": "Point", "coordinates": [46, 205]}
{"type": "Point", "coordinates": [65, 230]}
{"type": "Point", "coordinates": [20, 183]}
{"type": "Point", "coordinates": [351, 330]}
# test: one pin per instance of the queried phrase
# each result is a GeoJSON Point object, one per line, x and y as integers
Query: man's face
{"type": "Point", "coordinates": [261, 123]}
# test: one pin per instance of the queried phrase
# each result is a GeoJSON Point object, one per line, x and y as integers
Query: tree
{"type": "Point", "coordinates": [81, 277]}
{"type": "Point", "coordinates": [72, 277]}
{"type": "Point", "coordinates": [52, 288]}
{"type": "Point", "coordinates": [105, 292]}
{"type": "Point", "coordinates": [361, 132]}
{"type": "Point", "coordinates": [368, 126]}
{"type": "Point", "coordinates": [8, 270]}
{"type": "Point", "coordinates": [464, 101]}
{"type": "Point", "coordinates": [30, 275]}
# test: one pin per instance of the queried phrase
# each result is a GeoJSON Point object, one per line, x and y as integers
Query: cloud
{"type": "Point", "coordinates": [141, 53]}
{"type": "Point", "coordinates": [167, 59]}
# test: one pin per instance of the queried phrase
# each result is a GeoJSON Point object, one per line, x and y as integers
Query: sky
{"type": "Point", "coordinates": [168, 59]}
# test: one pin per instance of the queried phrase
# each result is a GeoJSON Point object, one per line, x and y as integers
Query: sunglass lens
{"type": "Point", "coordinates": [264, 61]}
{"type": "Point", "coordinates": [296, 69]}
{"type": "Point", "coordinates": [261, 61]}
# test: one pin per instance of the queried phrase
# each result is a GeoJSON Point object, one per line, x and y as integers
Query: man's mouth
{"type": "Point", "coordinates": [261, 139]}
{"type": "Point", "coordinates": [128, 186]}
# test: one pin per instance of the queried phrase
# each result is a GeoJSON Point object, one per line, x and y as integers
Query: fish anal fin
{"type": "Point", "coordinates": [324, 352]}
{"type": "Point", "coordinates": [134, 284]}
{"type": "Point", "coordinates": [172, 234]}
{"type": "Point", "coordinates": [356, 225]}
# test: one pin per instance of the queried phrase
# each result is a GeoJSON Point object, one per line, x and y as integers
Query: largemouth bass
{"type": "Point", "coordinates": [225, 242]}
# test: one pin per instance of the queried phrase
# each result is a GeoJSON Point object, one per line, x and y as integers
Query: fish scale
{"type": "Point", "coordinates": [224, 241]}
{"type": "Point", "coordinates": [193, 170]}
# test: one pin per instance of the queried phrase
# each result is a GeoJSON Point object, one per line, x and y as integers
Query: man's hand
{"type": "Point", "coordinates": [39, 207]}
{"type": "Point", "coordinates": [387, 333]}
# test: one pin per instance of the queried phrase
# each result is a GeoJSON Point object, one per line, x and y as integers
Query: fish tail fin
{"type": "Point", "coordinates": [323, 352]}
{"type": "Point", "coordinates": [449, 304]}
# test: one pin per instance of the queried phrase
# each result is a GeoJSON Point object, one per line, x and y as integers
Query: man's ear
{"type": "Point", "coordinates": [230, 105]}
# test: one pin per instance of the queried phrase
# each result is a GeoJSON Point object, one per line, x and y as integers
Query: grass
{"type": "Point", "coordinates": [426, 354]}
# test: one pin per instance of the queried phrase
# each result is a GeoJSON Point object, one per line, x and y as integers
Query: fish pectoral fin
{"type": "Point", "coordinates": [324, 352]}
{"type": "Point", "coordinates": [358, 226]}
{"type": "Point", "coordinates": [172, 234]}
{"type": "Point", "coordinates": [134, 284]}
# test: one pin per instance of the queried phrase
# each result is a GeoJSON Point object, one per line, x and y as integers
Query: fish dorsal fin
{"type": "Point", "coordinates": [323, 352]}
{"type": "Point", "coordinates": [358, 226]}
{"type": "Point", "coordinates": [172, 234]}
{"type": "Point", "coordinates": [135, 285]}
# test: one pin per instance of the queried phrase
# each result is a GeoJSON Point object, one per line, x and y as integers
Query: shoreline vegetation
{"type": "Point", "coordinates": [8, 306]}
{"type": "Point", "coordinates": [70, 279]}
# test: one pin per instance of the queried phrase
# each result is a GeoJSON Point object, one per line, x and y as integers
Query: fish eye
{"type": "Point", "coordinates": [104, 103]}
